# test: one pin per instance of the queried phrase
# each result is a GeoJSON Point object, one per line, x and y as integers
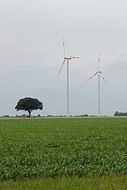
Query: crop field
{"type": "Point", "coordinates": [66, 147]}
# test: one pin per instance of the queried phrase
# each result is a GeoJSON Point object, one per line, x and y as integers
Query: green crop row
{"type": "Point", "coordinates": [37, 148]}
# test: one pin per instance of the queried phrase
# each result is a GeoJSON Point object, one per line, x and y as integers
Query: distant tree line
{"type": "Point", "coordinates": [120, 113]}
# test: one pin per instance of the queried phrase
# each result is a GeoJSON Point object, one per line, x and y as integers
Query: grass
{"type": "Point", "coordinates": [62, 147]}
{"type": "Point", "coordinates": [71, 153]}
{"type": "Point", "coordinates": [70, 183]}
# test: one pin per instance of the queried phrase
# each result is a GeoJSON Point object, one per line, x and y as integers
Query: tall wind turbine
{"type": "Point", "coordinates": [99, 76]}
{"type": "Point", "coordinates": [67, 59]}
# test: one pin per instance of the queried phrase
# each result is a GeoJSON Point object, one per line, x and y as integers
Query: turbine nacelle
{"type": "Point", "coordinates": [99, 72]}
{"type": "Point", "coordinates": [66, 59]}
{"type": "Point", "coordinates": [70, 57]}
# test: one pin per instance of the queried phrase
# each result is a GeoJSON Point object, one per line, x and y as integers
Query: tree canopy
{"type": "Point", "coordinates": [29, 104]}
{"type": "Point", "coordinates": [117, 113]}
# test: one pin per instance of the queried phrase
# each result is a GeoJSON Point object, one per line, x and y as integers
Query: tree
{"type": "Point", "coordinates": [29, 104]}
{"type": "Point", "coordinates": [120, 113]}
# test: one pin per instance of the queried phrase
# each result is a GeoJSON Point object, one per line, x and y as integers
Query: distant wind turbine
{"type": "Point", "coordinates": [99, 75]}
{"type": "Point", "coordinates": [67, 59]}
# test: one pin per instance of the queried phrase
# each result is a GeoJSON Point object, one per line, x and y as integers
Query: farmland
{"type": "Point", "coordinates": [72, 147]}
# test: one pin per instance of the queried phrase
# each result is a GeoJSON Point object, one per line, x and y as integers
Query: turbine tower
{"type": "Point", "coordinates": [99, 76]}
{"type": "Point", "coordinates": [67, 59]}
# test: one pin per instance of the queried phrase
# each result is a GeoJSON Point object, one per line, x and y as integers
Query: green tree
{"type": "Point", "coordinates": [29, 104]}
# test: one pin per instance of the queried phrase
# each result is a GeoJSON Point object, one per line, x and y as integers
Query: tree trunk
{"type": "Point", "coordinates": [29, 113]}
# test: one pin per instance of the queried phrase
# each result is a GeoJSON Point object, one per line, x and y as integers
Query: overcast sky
{"type": "Point", "coordinates": [31, 53]}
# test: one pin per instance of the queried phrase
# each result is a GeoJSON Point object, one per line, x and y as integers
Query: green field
{"type": "Point", "coordinates": [51, 148]}
{"type": "Point", "coordinates": [69, 183]}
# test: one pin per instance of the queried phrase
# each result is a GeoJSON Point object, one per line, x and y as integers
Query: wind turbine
{"type": "Point", "coordinates": [67, 59]}
{"type": "Point", "coordinates": [99, 76]}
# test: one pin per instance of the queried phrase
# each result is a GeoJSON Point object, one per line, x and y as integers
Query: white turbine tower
{"type": "Point", "coordinates": [67, 60]}
{"type": "Point", "coordinates": [99, 75]}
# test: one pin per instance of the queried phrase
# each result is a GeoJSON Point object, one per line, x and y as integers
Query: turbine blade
{"type": "Point", "coordinates": [99, 61]}
{"type": "Point", "coordinates": [62, 66]}
{"type": "Point", "coordinates": [93, 76]}
{"type": "Point", "coordinates": [64, 47]}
